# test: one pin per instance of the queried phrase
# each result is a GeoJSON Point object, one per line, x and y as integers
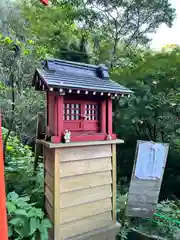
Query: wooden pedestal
{"type": "Point", "coordinates": [80, 189]}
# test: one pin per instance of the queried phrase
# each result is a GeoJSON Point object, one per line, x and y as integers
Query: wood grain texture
{"type": "Point", "coordinates": [138, 210]}
{"type": "Point", "coordinates": [107, 233]}
{"type": "Point", "coordinates": [77, 144]}
{"type": "Point", "coordinates": [49, 160]}
{"type": "Point", "coordinates": [86, 152]}
{"type": "Point", "coordinates": [85, 225]}
{"type": "Point", "coordinates": [49, 186]}
{"type": "Point", "coordinates": [79, 189]}
{"type": "Point", "coordinates": [143, 197]}
{"type": "Point", "coordinates": [147, 198]}
{"type": "Point", "coordinates": [49, 210]}
{"type": "Point", "coordinates": [84, 196]}
{"type": "Point", "coordinates": [114, 182]}
{"type": "Point", "coordinates": [49, 153]}
{"type": "Point", "coordinates": [79, 182]}
{"type": "Point", "coordinates": [152, 185]}
{"type": "Point", "coordinates": [85, 166]}
{"type": "Point", "coordinates": [56, 205]}
{"type": "Point", "coordinates": [49, 181]}
{"type": "Point", "coordinates": [85, 210]}
{"type": "Point", "coordinates": [49, 195]}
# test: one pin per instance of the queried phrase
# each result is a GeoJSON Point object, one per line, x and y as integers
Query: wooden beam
{"type": "Point", "coordinates": [74, 168]}
{"type": "Point", "coordinates": [38, 146]}
{"type": "Point", "coordinates": [84, 196]}
{"type": "Point", "coordinates": [78, 212]}
{"type": "Point", "coordinates": [86, 153]}
{"type": "Point", "coordinates": [57, 195]}
{"type": "Point", "coordinates": [85, 181]}
{"type": "Point", "coordinates": [107, 233]}
{"type": "Point", "coordinates": [77, 144]}
{"type": "Point", "coordinates": [114, 182]}
{"type": "Point", "coordinates": [85, 225]}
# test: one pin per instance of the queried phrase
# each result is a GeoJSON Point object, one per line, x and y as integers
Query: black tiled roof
{"type": "Point", "coordinates": [71, 75]}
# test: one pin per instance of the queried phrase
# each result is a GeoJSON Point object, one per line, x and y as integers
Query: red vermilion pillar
{"type": "Point", "coordinates": [103, 116]}
{"type": "Point", "coordinates": [60, 103]}
{"type": "Point", "coordinates": [55, 116]}
{"type": "Point", "coordinates": [3, 215]}
{"type": "Point", "coordinates": [109, 106]}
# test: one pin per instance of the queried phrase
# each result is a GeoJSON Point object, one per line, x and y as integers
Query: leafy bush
{"type": "Point", "coordinates": [15, 150]}
{"type": "Point", "coordinates": [124, 221]}
{"type": "Point", "coordinates": [25, 221]}
{"type": "Point", "coordinates": [152, 113]}
{"type": "Point", "coordinates": [19, 170]}
{"type": "Point", "coordinates": [165, 222]}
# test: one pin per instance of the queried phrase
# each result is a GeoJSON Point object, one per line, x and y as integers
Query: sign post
{"type": "Point", "coordinates": [3, 214]}
{"type": "Point", "coordinates": [150, 161]}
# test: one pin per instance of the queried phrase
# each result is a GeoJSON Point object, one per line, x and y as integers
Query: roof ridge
{"type": "Point", "coordinates": [75, 74]}
{"type": "Point", "coordinates": [78, 64]}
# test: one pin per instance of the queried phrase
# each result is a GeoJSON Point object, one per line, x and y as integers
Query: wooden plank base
{"type": "Point", "coordinates": [108, 233]}
{"type": "Point", "coordinates": [80, 191]}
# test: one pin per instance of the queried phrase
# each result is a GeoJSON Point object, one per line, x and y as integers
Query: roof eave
{"type": "Point", "coordinates": [91, 89]}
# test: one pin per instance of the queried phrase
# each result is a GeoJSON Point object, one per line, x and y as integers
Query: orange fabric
{"type": "Point", "coordinates": [3, 215]}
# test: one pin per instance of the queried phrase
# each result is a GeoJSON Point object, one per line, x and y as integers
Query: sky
{"type": "Point", "coordinates": [165, 35]}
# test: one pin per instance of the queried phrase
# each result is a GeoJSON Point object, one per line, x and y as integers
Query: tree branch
{"type": "Point", "coordinates": [12, 111]}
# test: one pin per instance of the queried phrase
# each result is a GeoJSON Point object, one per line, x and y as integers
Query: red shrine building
{"type": "Point", "coordinates": [79, 100]}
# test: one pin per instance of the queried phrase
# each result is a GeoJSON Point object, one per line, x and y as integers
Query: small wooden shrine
{"type": "Point", "coordinates": [80, 149]}
{"type": "Point", "coordinates": [79, 100]}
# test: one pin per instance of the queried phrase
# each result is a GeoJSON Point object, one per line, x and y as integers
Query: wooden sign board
{"type": "Point", "coordinates": [150, 161]}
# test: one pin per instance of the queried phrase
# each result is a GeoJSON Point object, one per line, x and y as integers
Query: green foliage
{"type": "Point", "coordinates": [54, 29]}
{"type": "Point", "coordinates": [154, 78]}
{"type": "Point", "coordinates": [73, 30]}
{"type": "Point", "coordinates": [89, 31]}
{"type": "Point", "coordinates": [152, 113]}
{"type": "Point", "coordinates": [17, 151]}
{"type": "Point", "coordinates": [24, 220]}
{"type": "Point", "coordinates": [164, 223]}
{"type": "Point", "coordinates": [121, 201]}
{"type": "Point", "coordinates": [70, 29]}
{"type": "Point", "coordinates": [18, 58]}
{"type": "Point", "coordinates": [19, 170]}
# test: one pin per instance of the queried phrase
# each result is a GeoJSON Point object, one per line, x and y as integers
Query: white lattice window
{"type": "Point", "coordinates": [91, 112]}
{"type": "Point", "coordinates": [72, 111]}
